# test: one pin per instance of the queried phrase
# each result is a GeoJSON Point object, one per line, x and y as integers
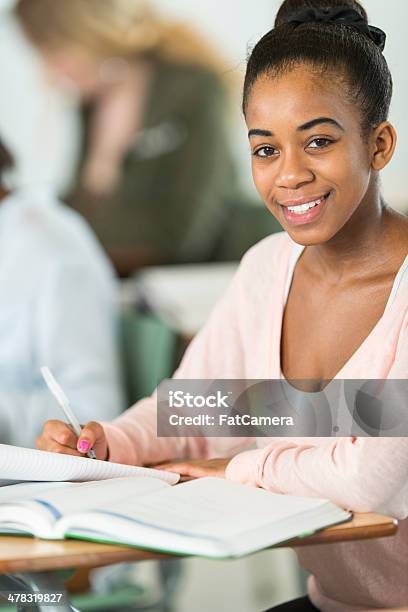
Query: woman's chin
{"type": "Point", "coordinates": [310, 236]}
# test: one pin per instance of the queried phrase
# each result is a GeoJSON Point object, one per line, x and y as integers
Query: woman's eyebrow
{"type": "Point", "coordinates": [301, 128]}
{"type": "Point", "coordinates": [258, 132]}
{"type": "Point", "coordinates": [318, 121]}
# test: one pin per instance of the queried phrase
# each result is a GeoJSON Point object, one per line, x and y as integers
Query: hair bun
{"type": "Point", "coordinates": [340, 15]}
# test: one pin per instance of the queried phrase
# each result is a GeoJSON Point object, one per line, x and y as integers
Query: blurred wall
{"type": "Point", "coordinates": [35, 120]}
{"type": "Point", "coordinates": [234, 29]}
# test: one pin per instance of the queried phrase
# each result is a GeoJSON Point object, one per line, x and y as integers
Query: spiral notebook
{"type": "Point", "coordinates": [19, 464]}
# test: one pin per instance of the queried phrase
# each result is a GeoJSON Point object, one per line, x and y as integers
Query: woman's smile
{"type": "Point", "coordinates": [304, 210]}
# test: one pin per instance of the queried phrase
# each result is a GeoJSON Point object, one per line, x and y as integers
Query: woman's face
{"type": "Point", "coordinates": [310, 163]}
{"type": "Point", "coordinates": [73, 68]}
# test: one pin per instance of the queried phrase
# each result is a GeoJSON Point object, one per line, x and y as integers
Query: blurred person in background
{"type": "Point", "coordinates": [57, 309]}
{"type": "Point", "coordinates": [156, 179]}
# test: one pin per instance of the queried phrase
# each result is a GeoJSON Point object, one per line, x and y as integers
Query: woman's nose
{"type": "Point", "coordinates": [293, 172]}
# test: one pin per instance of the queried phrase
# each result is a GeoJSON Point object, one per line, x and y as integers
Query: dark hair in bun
{"type": "Point", "coordinates": [6, 160]}
{"type": "Point", "coordinates": [334, 37]}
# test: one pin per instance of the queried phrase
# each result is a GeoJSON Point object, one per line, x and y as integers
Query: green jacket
{"type": "Point", "coordinates": [178, 180]}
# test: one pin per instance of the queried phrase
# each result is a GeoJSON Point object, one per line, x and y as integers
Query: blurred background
{"type": "Point", "coordinates": [139, 130]}
{"type": "Point", "coordinates": [46, 138]}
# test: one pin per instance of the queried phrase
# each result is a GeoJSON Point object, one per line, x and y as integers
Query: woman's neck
{"type": "Point", "coordinates": [373, 242]}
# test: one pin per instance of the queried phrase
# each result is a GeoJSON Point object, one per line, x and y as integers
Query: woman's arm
{"type": "Point", "coordinates": [215, 353]}
{"type": "Point", "coordinates": [361, 474]}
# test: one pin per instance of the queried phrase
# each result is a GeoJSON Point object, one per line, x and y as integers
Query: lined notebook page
{"type": "Point", "coordinates": [213, 507]}
{"type": "Point", "coordinates": [29, 464]}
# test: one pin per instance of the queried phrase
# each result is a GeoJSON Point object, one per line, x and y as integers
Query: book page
{"type": "Point", "coordinates": [36, 507]}
{"type": "Point", "coordinates": [80, 496]}
{"type": "Point", "coordinates": [209, 516]}
{"type": "Point", "coordinates": [210, 507]}
{"type": "Point", "coordinates": [29, 464]}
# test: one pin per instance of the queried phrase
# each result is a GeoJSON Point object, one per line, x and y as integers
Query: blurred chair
{"type": "Point", "coordinates": [148, 353]}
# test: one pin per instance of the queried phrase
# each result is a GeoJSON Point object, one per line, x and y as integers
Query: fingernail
{"type": "Point", "coordinates": [84, 446]}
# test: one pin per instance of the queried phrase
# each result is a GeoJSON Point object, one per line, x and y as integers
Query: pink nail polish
{"type": "Point", "coordinates": [84, 446]}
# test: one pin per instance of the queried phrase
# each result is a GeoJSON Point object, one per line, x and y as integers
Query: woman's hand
{"type": "Point", "coordinates": [58, 437]}
{"type": "Point", "coordinates": [196, 468]}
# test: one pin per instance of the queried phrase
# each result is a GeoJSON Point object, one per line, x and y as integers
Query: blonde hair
{"type": "Point", "coordinates": [115, 28]}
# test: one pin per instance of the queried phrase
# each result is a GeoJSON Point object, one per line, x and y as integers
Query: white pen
{"type": "Point", "coordinates": [62, 400]}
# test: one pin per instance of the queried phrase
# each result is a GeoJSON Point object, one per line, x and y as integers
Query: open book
{"type": "Point", "coordinates": [28, 464]}
{"type": "Point", "coordinates": [209, 517]}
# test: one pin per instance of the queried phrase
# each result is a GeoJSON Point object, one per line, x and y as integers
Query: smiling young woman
{"type": "Point", "coordinates": [318, 176]}
{"type": "Point", "coordinates": [326, 299]}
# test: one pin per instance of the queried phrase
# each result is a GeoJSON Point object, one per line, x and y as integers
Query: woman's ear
{"type": "Point", "coordinates": [384, 140]}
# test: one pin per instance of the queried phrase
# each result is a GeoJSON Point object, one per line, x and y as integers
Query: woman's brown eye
{"type": "Point", "coordinates": [264, 152]}
{"type": "Point", "coordinates": [323, 142]}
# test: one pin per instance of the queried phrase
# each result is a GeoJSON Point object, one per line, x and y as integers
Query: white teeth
{"type": "Point", "coordinates": [302, 208]}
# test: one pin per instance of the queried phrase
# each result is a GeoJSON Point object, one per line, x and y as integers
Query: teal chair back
{"type": "Point", "coordinates": [148, 349]}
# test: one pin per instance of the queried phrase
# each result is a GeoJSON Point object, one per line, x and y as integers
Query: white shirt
{"type": "Point", "coordinates": [57, 308]}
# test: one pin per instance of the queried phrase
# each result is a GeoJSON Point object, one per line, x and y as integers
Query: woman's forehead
{"type": "Point", "coordinates": [296, 97]}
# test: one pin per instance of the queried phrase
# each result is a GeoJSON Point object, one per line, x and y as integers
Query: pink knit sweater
{"type": "Point", "coordinates": [242, 340]}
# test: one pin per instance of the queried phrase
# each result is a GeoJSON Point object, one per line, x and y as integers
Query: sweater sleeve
{"type": "Point", "coordinates": [361, 474]}
{"type": "Point", "coordinates": [215, 353]}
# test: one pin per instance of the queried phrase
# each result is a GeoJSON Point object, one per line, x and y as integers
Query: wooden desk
{"type": "Point", "coordinates": [24, 554]}
{"type": "Point", "coordinates": [21, 554]}
{"type": "Point", "coordinates": [363, 526]}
